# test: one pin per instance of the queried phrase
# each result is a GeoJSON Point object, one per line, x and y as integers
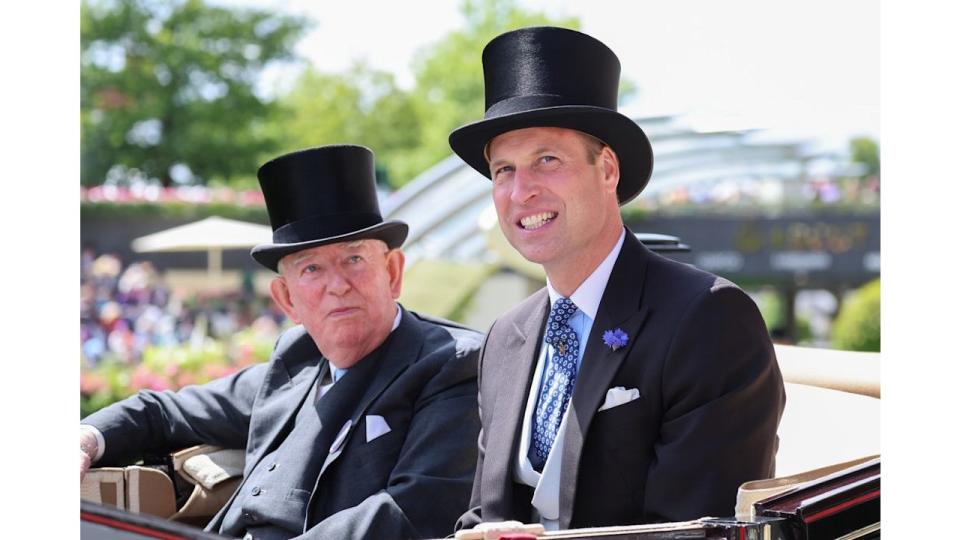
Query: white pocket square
{"type": "Point", "coordinates": [376, 427]}
{"type": "Point", "coordinates": [618, 396]}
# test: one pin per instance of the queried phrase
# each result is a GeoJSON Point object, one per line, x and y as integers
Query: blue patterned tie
{"type": "Point", "coordinates": [557, 386]}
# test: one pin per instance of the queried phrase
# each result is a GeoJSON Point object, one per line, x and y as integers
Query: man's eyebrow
{"type": "Point", "coordinates": [495, 163]}
{"type": "Point", "coordinates": [298, 259]}
{"type": "Point", "coordinates": [537, 152]}
{"type": "Point", "coordinates": [356, 244]}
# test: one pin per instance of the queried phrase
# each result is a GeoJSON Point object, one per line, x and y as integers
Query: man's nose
{"type": "Point", "coordinates": [526, 186]}
{"type": "Point", "coordinates": [338, 284]}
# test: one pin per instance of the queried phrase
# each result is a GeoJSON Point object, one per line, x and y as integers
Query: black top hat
{"type": "Point", "coordinates": [555, 77]}
{"type": "Point", "coordinates": [321, 196]}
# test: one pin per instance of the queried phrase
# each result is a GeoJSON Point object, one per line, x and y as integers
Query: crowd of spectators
{"type": "Point", "coordinates": [849, 191]}
{"type": "Point", "coordinates": [124, 309]}
{"type": "Point", "coordinates": [815, 192]}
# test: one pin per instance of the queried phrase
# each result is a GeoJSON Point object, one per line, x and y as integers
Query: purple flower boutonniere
{"type": "Point", "coordinates": [615, 338]}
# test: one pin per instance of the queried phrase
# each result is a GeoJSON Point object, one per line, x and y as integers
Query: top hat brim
{"type": "Point", "coordinates": [622, 134]}
{"type": "Point", "coordinates": [392, 232]}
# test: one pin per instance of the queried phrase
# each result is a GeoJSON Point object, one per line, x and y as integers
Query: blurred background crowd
{"type": "Point", "coordinates": [124, 310]}
{"type": "Point", "coordinates": [135, 333]}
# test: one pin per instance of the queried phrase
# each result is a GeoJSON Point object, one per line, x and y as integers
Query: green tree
{"type": "Point", "coordinates": [362, 106]}
{"type": "Point", "coordinates": [406, 129]}
{"type": "Point", "coordinates": [168, 88]}
{"type": "Point", "coordinates": [866, 151]}
{"type": "Point", "coordinates": [449, 77]}
{"type": "Point", "coordinates": [857, 327]}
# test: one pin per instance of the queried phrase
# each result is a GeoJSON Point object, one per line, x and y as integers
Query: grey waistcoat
{"type": "Point", "coordinates": [272, 502]}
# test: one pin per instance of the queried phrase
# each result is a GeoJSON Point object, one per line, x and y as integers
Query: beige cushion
{"type": "Point", "coordinates": [204, 503]}
{"type": "Point", "coordinates": [215, 473]}
{"type": "Point", "coordinates": [209, 470]}
{"type": "Point", "coordinates": [104, 486]}
{"type": "Point", "coordinates": [136, 489]}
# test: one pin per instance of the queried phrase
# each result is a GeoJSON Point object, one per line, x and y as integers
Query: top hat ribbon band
{"type": "Point", "coordinates": [534, 101]}
{"type": "Point", "coordinates": [327, 226]}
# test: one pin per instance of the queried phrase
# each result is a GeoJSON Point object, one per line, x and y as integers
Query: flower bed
{"type": "Point", "coordinates": [172, 367]}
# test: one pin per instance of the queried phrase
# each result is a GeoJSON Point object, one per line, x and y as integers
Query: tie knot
{"type": "Point", "coordinates": [557, 328]}
{"type": "Point", "coordinates": [562, 310]}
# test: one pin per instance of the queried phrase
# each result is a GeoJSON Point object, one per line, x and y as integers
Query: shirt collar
{"type": "Point", "coordinates": [396, 320]}
{"type": "Point", "coordinates": [588, 295]}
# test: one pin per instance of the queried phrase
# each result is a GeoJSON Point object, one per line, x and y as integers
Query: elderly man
{"type": "Point", "coordinates": [632, 389]}
{"type": "Point", "coordinates": [364, 422]}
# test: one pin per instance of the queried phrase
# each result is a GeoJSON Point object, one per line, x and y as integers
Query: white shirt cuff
{"type": "Point", "coordinates": [101, 444]}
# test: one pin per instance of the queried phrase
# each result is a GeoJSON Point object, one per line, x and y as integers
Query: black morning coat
{"type": "Point", "coordinates": [711, 397]}
{"type": "Point", "coordinates": [411, 482]}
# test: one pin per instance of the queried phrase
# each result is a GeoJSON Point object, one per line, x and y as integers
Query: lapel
{"type": "Point", "coordinates": [287, 385]}
{"type": "Point", "coordinates": [620, 307]}
{"type": "Point", "coordinates": [353, 395]}
{"type": "Point", "coordinates": [520, 348]}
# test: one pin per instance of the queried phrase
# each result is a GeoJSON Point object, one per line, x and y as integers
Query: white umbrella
{"type": "Point", "coordinates": [213, 235]}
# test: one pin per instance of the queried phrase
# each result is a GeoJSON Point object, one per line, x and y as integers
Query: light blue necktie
{"type": "Point", "coordinates": [557, 386]}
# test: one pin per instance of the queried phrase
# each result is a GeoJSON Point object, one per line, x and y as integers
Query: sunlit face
{"type": "Point", "coordinates": [552, 203]}
{"type": "Point", "coordinates": [344, 295]}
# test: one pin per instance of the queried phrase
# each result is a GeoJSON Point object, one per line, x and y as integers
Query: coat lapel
{"type": "Point", "coordinates": [287, 385]}
{"type": "Point", "coordinates": [520, 348]}
{"type": "Point", "coordinates": [402, 350]}
{"type": "Point", "coordinates": [335, 408]}
{"type": "Point", "coordinates": [620, 307]}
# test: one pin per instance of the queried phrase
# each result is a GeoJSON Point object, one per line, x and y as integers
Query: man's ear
{"type": "Point", "coordinates": [395, 260]}
{"type": "Point", "coordinates": [611, 169]}
{"type": "Point", "coordinates": [281, 295]}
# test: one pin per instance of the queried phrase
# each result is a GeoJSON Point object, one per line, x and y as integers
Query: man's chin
{"type": "Point", "coordinates": [533, 253]}
{"type": "Point", "coordinates": [344, 351]}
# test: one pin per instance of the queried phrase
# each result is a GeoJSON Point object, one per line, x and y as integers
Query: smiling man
{"type": "Point", "coordinates": [364, 422]}
{"type": "Point", "coordinates": [632, 389]}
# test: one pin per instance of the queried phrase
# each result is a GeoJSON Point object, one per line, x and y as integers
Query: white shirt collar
{"type": "Point", "coordinates": [588, 295]}
{"type": "Point", "coordinates": [396, 320]}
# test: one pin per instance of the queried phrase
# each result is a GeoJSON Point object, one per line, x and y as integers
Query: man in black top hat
{"type": "Point", "coordinates": [631, 389]}
{"type": "Point", "coordinates": [364, 422]}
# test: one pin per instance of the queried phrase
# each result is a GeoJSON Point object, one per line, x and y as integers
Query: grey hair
{"type": "Point", "coordinates": [350, 244]}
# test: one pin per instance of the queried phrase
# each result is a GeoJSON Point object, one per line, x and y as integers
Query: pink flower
{"type": "Point", "coordinates": [91, 383]}
{"type": "Point", "coordinates": [185, 379]}
{"type": "Point", "coordinates": [143, 379]}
